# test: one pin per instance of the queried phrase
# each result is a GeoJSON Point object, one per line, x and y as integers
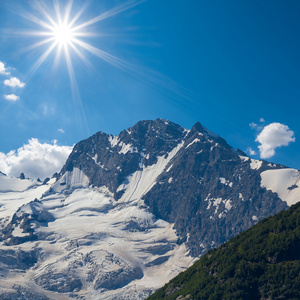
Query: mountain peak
{"type": "Point", "coordinates": [194, 162]}
{"type": "Point", "coordinates": [166, 194]}
{"type": "Point", "coordinates": [200, 128]}
{"type": "Point", "coordinates": [159, 126]}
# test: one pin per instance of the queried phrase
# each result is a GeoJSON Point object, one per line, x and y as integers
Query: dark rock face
{"type": "Point", "coordinates": [108, 160]}
{"type": "Point", "coordinates": [213, 194]}
{"type": "Point", "coordinates": [21, 293]}
{"type": "Point", "coordinates": [208, 190]}
{"type": "Point", "coordinates": [17, 260]}
{"type": "Point", "coordinates": [22, 176]}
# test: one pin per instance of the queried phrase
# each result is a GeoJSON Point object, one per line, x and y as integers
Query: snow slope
{"type": "Point", "coordinates": [15, 192]}
{"type": "Point", "coordinates": [95, 247]}
{"type": "Point", "coordinates": [284, 182]}
{"type": "Point", "coordinates": [9, 184]}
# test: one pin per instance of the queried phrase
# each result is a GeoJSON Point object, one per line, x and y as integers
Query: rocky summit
{"type": "Point", "coordinates": [127, 213]}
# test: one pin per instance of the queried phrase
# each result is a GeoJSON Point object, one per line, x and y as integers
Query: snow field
{"type": "Point", "coordinates": [117, 249]}
{"type": "Point", "coordinates": [284, 182]}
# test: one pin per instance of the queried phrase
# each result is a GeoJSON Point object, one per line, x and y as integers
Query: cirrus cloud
{"type": "Point", "coordinates": [14, 82]}
{"type": "Point", "coordinates": [273, 136]}
{"type": "Point", "coordinates": [11, 97]}
{"type": "Point", "coordinates": [35, 159]}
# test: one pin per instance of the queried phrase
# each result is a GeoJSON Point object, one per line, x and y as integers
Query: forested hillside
{"type": "Point", "coordinates": [260, 263]}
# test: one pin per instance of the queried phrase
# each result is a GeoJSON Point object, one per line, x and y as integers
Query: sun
{"type": "Point", "coordinates": [63, 34]}
{"type": "Point", "coordinates": [62, 29]}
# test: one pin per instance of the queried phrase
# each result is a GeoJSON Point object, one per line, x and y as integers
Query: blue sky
{"type": "Point", "coordinates": [227, 64]}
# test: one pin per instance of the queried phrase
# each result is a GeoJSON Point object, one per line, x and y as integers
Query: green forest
{"type": "Point", "coordinates": [260, 263]}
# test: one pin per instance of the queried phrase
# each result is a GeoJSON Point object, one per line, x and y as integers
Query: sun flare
{"type": "Point", "coordinates": [63, 32]}
{"type": "Point", "coordinates": [63, 29]}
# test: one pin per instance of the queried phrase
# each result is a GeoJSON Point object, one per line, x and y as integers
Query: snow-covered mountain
{"type": "Point", "coordinates": [129, 212]}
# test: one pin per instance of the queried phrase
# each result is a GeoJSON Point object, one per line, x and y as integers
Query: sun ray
{"type": "Point", "coordinates": [79, 13]}
{"type": "Point", "coordinates": [33, 33]}
{"type": "Point", "coordinates": [36, 45]}
{"type": "Point", "coordinates": [36, 20]}
{"type": "Point", "coordinates": [150, 78]}
{"type": "Point", "coordinates": [39, 6]}
{"type": "Point", "coordinates": [81, 56]}
{"type": "Point", "coordinates": [115, 11]}
{"type": "Point", "coordinates": [57, 10]}
{"type": "Point", "coordinates": [78, 107]}
{"type": "Point", "coordinates": [88, 34]}
{"type": "Point", "coordinates": [40, 61]}
{"type": "Point", "coordinates": [57, 56]}
{"type": "Point", "coordinates": [68, 12]}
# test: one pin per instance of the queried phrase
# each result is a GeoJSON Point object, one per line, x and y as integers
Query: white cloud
{"type": "Point", "coordinates": [251, 151]}
{"type": "Point", "coordinates": [262, 120]}
{"type": "Point", "coordinates": [253, 125]}
{"type": "Point", "coordinates": [14, 82]}
{"type": "Point", "coordinates": [61, 130]}
{"type": "Point", "coordinates": [35, 160]}
{"type": "Point", "coordinates": [273, 136]}
{"type": "Point", "coordinates": [48, 110]}
{"type": "Point", "coordinates": [3, 70]}
{"type": "Point", "coordinates": [11, 97]}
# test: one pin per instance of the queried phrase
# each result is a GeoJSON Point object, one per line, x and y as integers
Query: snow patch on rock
{"type": "Point", "coordinates": [114, 140]}
{"type": "Point", "coordinates": [216, 203]}
{"type": "Point", "coordinates": [225, 182]}
{"type": "Point", "coordinates": [194, 141]}
{"type": "Point", "coordinates": [255, 164]}
{"type": "Point", "coordinates": [127, 148]}
{"type": "Point", "coordinates": [244, 158]}
{"type": "Point", "coordinates": [95, 159]}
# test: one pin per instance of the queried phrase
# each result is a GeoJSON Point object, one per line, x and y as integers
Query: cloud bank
{"type": "Point", "coordinates": [273, 136]}
{"type": "Point", "coordinates": [14, 82]}
{"type": "Point", "coordinates": [35, 160]}
{"type": "Point", "coordinates": [11, 97]}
